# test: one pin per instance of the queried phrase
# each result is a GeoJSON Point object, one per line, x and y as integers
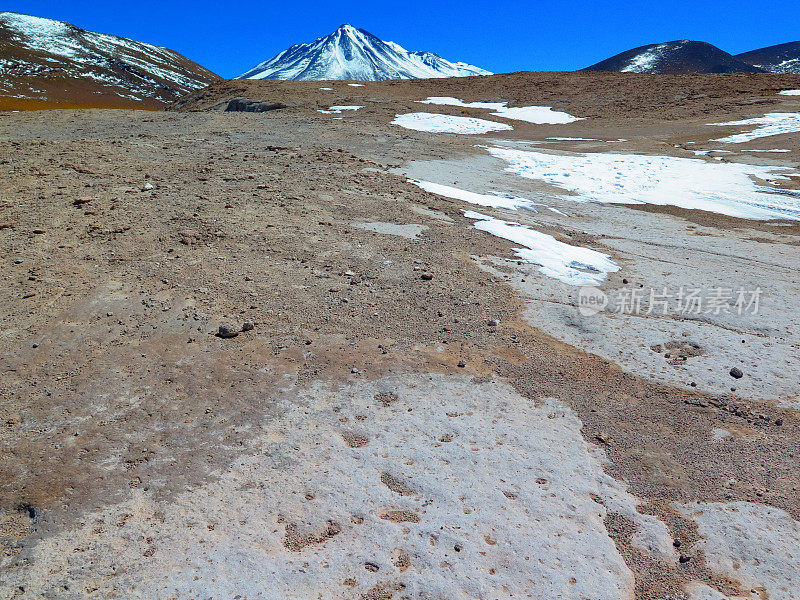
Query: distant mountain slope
{"type": "Point", "coordinates": [782, 58]}
{"type": "Point", "coordinates": [683, 56]}
{"type": "Point", "coordinates": [355, 54]}
{"type": "Point", "coordinates": [44, 62]}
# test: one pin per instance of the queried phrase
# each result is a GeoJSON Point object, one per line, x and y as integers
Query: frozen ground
{"type": "Point", "coordinates": [756, 545]}
{"type": "Point", "coordinates": [449, 474]}
{"type": "Point", "coordinates": [419, 411]}
{"type": "Point", "coordinates": [654, 252]}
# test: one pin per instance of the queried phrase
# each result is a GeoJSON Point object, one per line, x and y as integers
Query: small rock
{"type": "Point", "coordinates": [227, 331]}
{"type": "Point", "coordinates": [736, 373]}
{"type": "Point", "coordinates": [248, 326]}
{"type": "Point", "coordinates": [602, 436]}
{"type": "Point", "coordinates": [426, 276]}
{"type": "Point", "coordinates": [493, 323]}
{"type": "Point", "coordinates": [684, 559]}
{"type": "Point", "coordinates": [38, 231]}
{"type": "Point", "coordinates": [462, 363]}
{"type": "Point", "coordinates": [778, 421]}
{"type": "Point", "coordinates": [148, 186]}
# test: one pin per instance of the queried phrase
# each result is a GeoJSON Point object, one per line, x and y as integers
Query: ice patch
{"type": "Point", "coordinates": [493, 200]}
{"type": "Point", "coordinates": [725, 188]}
{"type": "Point", "coordinates": [571, 264]}
{"type": "Point", "coordinates": [775, 150]}
{"type": "Point", "coordinates": [327, 89]}
{"type": "Point", "coordinates": [790, 93]}
{"type": "Point", "coordinates": [436, 123]}
{"type": "Point", "coordinates": [573, 139]}
{"type": "Point", "coordinates": [407, 230]}
{"type": "Point", "coordinates": [532, 114]}
{"type": "Point", "coordinates": [771, 124]}
{"type": "Point", "coordinates": [754, 544]}
{"type": "Point", "coordinates": [336, 110]}
{"type": "Point", "coordinates": [516, 486]}
{"type": "Point", "coordinates": [356, 84]}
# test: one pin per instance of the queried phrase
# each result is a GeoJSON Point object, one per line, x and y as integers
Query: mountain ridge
{"type": "Point", "coordinates": [50, 62]}
{"type": "Point", "coordinates": [779, 58]}
{"type": "Point", "coordinates": [676, 57]}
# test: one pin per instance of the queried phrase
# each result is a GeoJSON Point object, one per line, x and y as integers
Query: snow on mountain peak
{"type": "Point", "coordinates": [355, 54]}
{"type": "Point", "coordinates": [42, 53]}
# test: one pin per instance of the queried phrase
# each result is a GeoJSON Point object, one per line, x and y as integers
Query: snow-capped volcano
{"type": "Point", "coordinates": [355, 54]}
{"type": "Point", "coordinates": [48, 61]}
{"type": "Point", "coordinates": [681, 56]}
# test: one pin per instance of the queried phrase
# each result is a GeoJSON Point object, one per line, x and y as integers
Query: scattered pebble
{"type": "Point", "coordinates": [426, 276]}
{"type": "Point", "coordinates": [736, 373]}
{"type": "Point", "coordinates": [248, 326]}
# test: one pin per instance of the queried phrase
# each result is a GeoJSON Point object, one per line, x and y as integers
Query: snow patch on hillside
{"type": "Point", "coordinates": [770, 124]}
{"type": "Point", "coordinates": [436, 123]}
{"type": "Point", "coordinates": [531, 114]}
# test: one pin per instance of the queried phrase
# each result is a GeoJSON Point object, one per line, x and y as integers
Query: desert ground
{"type": "Point", "coordinates": [416, 407]}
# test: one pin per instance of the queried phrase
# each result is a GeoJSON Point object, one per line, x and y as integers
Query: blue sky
{"type": "Point", "coordinates": [230, 37]}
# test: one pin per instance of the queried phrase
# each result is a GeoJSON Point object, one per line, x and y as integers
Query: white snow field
{"type": "Point", "coordinates": [770, 124]}
{"type": "Point", "coordinates": [335, 110]}
{"type": "Point", "coordinates": [436, 123]}
{"type": "Point", "coordinates": [539, 115]}
{"type": "Point", "coordinates": [571, 264]}
{"type": "Point", "coordinates": [725, 188]}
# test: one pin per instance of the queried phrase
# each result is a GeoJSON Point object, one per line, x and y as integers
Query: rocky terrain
{"type": "Point", "coordinates": [291, 354]}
